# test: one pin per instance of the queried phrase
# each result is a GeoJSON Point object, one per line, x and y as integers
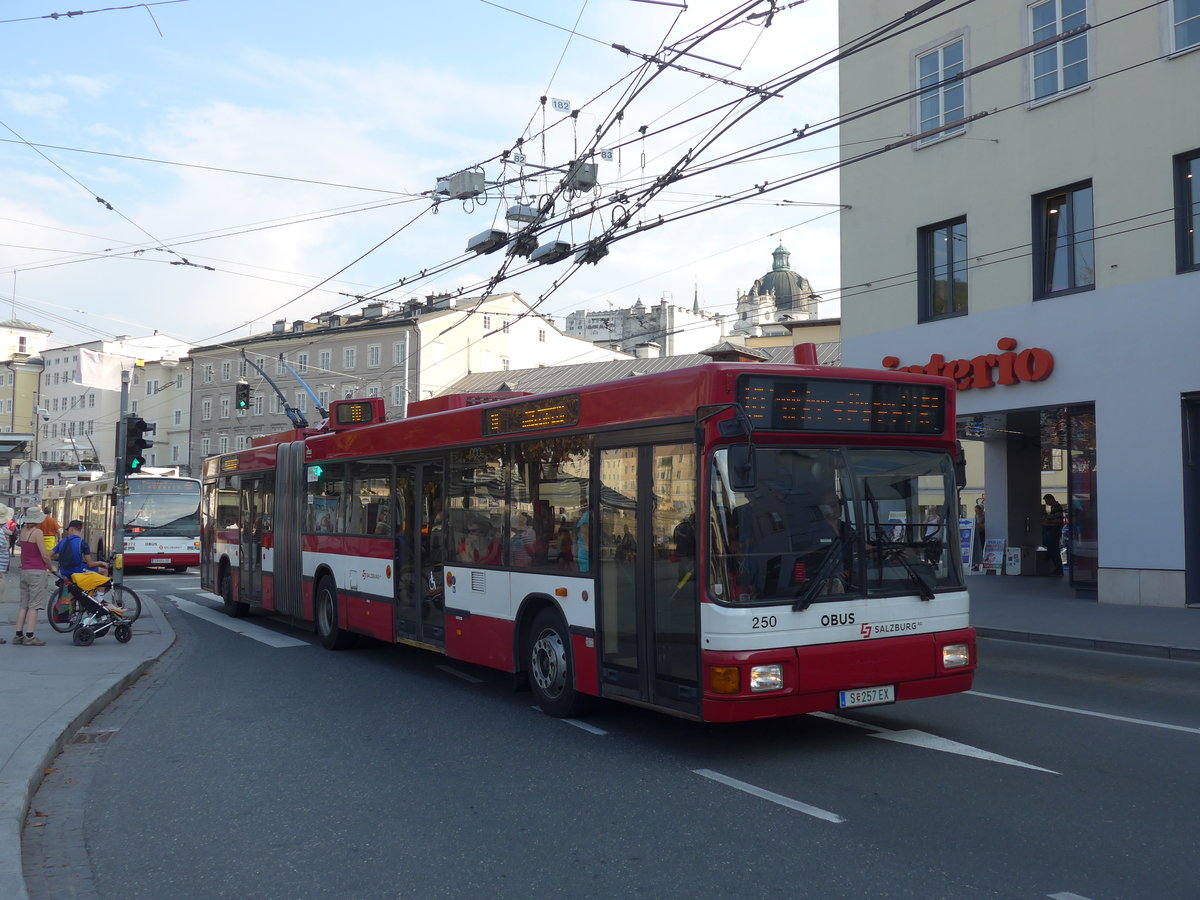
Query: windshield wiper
{"type": "Point", "coordinates": [824, 573]}
{"type": "Point", "coordinates": [922, 577]}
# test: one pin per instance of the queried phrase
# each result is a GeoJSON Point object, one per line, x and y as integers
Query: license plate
{"type": "Point", "coordinates": [155, 560]}
{"type": "Point", "coordinates": [867, 696]}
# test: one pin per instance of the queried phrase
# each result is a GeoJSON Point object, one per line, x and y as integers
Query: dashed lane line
{"type": "Point", "coordinates": [763, 793]}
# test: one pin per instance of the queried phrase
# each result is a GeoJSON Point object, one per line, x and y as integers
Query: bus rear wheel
{"type": "Point", "coordinates": [232, 607]}
{"type": "Point", "coordinates": [332, 636]}
{"type": "Point", "coordinates": [551, 668]}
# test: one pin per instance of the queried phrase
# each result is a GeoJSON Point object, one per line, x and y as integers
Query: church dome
{"type": "Point", "coordinates": [792, 292]}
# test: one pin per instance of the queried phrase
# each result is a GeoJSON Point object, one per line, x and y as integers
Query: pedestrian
{"type": "Point", "coordinates": [10, 533]}
{"type": "Point", "coordinates": [35, 563]}
{"type": "Point", "coordinates": [1052, 523]}
{"type": "Point", "coordinates": [5, 554]}
{"type": "Point", "coordinates": [73, 554]}
{"type": "Point", "coordinates": [51, 530]}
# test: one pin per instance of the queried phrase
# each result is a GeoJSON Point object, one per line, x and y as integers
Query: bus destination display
{"type": "Point", "coordinates": [533, 415]}
{"type": "Point", "coordinates": [830, 406]}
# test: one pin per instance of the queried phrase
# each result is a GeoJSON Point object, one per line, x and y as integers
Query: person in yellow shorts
{"type": "Point", "coordinates": [50, 528]}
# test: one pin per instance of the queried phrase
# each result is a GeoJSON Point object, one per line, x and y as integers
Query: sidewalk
{"type": "Point", "coordinates": [48, 693]}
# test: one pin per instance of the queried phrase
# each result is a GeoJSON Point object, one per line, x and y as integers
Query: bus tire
{"type": "Point", "coordinates": [233, 609]}
{"type": "Point", "coordinates": [551, 666]}
{"type": "Point", "coordinates": [325, 612]}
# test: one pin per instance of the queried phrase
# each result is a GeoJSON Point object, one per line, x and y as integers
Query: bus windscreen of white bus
{"type": "Point", "coordinates": [163, 514]}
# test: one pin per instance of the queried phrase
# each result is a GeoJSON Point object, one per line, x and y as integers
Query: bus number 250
{"type": "Point", "coordinates": [764, 622]}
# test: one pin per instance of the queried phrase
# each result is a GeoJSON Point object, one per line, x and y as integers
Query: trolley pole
{"type": "Point", "coordinates": [119, 486]}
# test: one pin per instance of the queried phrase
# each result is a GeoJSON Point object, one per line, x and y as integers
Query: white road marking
{"type": "Point", "coordinates": [238, 626]}
{"type": "Point", "coordinates": [1088, 712]}
{"type": "Point", "coordinates": [931, 742]}
{"type": "Point", "coordinates": [1066, 895]}
{"type": "Point", "coordinates": [463, 675]}
{"type": "Point", "coordinates": [814, 811]}
{"type": "Point", "coordinates": [582, 726]}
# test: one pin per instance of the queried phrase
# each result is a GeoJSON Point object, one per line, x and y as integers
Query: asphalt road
{"type": "Point", "coordinates": [244, 768]}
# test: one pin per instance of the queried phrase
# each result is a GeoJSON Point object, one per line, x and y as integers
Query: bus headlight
{"type": "Point", "coordinates": [955, 656]}
{"type": "Point", "coordinates": [766, 678]}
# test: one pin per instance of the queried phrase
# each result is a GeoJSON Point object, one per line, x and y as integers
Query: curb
{"type": "Point", "coordinates": [1157, 651]}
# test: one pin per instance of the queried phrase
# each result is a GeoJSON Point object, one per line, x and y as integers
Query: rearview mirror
{"type": "Point", "coordinates": [743, 475]}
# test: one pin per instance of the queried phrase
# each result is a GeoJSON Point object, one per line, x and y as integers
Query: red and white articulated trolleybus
{"type": "Point", "coordinates": [725, 542]}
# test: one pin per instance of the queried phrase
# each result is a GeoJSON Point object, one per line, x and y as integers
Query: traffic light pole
{"type": "Point", "coordinates": [119, 485]}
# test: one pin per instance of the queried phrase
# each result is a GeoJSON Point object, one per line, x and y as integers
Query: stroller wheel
{"type": "Point", "coordinates": [83, 636]}
{"type": "Point", "coordinates": [123, 633]}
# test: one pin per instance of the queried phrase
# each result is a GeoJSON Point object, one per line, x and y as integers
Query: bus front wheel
{"type": "Point", "coordinates": [551, 669]}
{"type": "Point", "coordinates": [333, 636]}
{"type": "Point", "coordinates": [232, 607]}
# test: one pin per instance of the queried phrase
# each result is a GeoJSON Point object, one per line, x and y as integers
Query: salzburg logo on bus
{"type": "Point", "coordinates": [888, 629]}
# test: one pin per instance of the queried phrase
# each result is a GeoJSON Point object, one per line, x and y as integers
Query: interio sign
{"type": "Point", "coordinates": [1004, 368]}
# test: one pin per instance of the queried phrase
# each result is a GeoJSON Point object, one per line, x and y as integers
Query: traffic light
{"type": "Point", "coordinates": [242, 397]}
{"type": "Point", "coordinates": [135, 442]}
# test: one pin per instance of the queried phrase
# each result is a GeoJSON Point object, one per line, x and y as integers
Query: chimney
{"type": "Point", "coordinates": [279, 327]}
{"type": "Point", "coordinates": [373, 310]}
{"type": "Point", "coordinates": [647, 350]}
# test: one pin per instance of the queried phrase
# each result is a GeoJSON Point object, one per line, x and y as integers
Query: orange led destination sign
{"type": "Point", "coordinates": [532, 415]}
{"type": "Point", "coordinates": [832, 406]}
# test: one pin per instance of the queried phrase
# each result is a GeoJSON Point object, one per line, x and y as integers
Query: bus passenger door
{"type": "Point", "coordinates": [646, 575]}
{"type": "Point", "coordinates": [250, 576]}
{"type": "Point", "coordinates": [419, 553]}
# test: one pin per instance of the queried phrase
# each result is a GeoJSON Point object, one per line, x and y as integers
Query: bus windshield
{"type": "Point", "coordinates": [822, 524]}
{"type": "Point", "coordinates": [163, 513]}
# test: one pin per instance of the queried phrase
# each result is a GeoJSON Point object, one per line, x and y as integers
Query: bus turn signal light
{"type": "Point", "coordinates": [724, 679]}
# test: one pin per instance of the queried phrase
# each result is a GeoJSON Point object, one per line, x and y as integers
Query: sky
{"type": "Point", "coordinates": [203, 168]}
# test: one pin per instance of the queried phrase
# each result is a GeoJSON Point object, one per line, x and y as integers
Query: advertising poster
{"type": "Point", "coordinates": [993, 554]}
{"type": "Point", "coordinates": [966, 540]}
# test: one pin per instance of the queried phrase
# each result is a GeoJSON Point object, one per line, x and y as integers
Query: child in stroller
{"type": "Point", "coordinates": [94, 616]}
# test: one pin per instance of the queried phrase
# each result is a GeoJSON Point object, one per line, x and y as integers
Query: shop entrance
{"type": "Point", "coordinates": [1027, 455]}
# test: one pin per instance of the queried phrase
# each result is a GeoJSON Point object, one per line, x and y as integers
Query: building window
{"type": "Point", "coordinates": [1064, 258]}
{"type": "Point", "coordinates": [397, 394]}
{"type": "Point", "coordinates": [204, 445]}
{"type": "Point", "coordinates": [374, 355]}
{"type": "Point", "coordinates": [398, 353]}
{"type": "Point", "coordinates": [178, 417]}
{"type": "Point", "coordinates": [132, 406]}
{"type": "Point", "coordinates": [941, 102]}
{"type": "Point", "coordinates": [487, 322]}
{"type": "Point", "coordinates": [223, 444]}
{"type": "Point", "coordinates": [151, 388]}
{"type": "Point", "coordinates": [258, 404]}
{"type": "Point", "coordinates": [205, 410]}
{"type": "Point", "coordinates": [302, 363]}
{"type": "Point", "coordinates": [504, 363]}
{"type": "Point", "coordinates": [542, 335]}
{"type": "Point", "coordinates": [323, 399]}
{"type": "Point", "coordinates": [241, 372]}
{"type": "Point", "coordinates": [280, 366]}
{"type": "Point", "coordinates": [22, 345]}
{"type": "Point", "coordinates": [349, 358]}
{"type": "Point", "coordinates": [174, 453]}
{"type": "Point", "coordinates": [226, 371]}
{"type": "Point", "coordinates": [224, 407]}
{"type": "Point", "coordinates": [1064, 64]}
{"type": "Point", "coordinates": [208, 374]}
{"type": "Point", "coordinates": [1185, 25]}
{"type": "Point", "coordinates": [942, 270]}
{"type": "Point", "coordinates": [373, 390]}
{"type": "Point", "coordinates": [179, 380]}
{"type": "Point", "coordinates": [324, 360]}
{"type": "Point", "coordinates": [91, 401]}
{"type": "Point", "coordinates": [1187, 208]}
{"type": "Point", "coordinates": [301, 401]}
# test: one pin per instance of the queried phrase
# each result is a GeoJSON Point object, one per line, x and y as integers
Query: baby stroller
{"type": "Point", "coordinates": [94, 617]}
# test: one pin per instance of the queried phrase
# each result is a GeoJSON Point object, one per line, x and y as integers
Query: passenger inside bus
{"type": "Point", "coordinates": [480, 545]}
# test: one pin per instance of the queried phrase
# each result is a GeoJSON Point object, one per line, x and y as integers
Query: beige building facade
{"type": "Point", "coordinates": [1034, 237]}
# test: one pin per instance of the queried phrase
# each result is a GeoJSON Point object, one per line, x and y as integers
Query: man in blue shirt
{"type": "Point", "coordinates": [74, 555]}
